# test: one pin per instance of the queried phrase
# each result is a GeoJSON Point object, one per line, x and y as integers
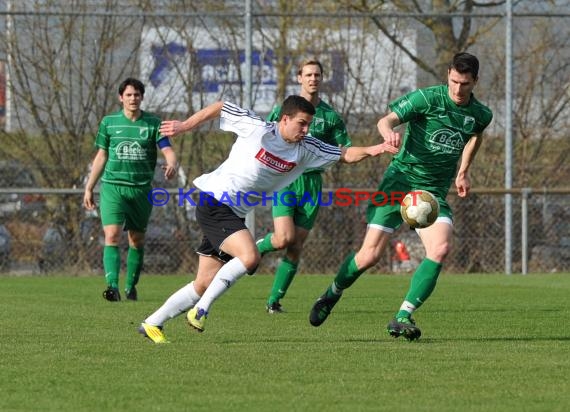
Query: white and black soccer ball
{"type": "Point", "coordinates": [419, 209]}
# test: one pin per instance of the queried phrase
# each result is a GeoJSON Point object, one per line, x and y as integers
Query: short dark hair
{"type": "Point", "coordinates": [131, 81]}
{"type": "Point", "coordinates": [295, 104]}
{"type": "Point", "coordinates": [465, 63]}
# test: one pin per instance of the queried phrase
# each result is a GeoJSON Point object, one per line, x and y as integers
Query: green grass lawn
{"type": "Point", "coordinates": [489, 343]}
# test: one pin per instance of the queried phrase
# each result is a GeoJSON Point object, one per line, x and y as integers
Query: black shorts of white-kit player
{"type": "Point", "coordinates": [217, 221]}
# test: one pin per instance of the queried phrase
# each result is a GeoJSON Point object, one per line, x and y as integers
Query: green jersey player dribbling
{"type": "Point", "coordinates": [444, 128]}
{"type": "Point", "coordinates": [293, 215]}
{"type": "Point", "coordinates": [127, 143]}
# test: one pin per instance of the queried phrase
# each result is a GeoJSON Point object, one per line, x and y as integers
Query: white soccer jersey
{"type": "Point", "coordinates": [260, 162]}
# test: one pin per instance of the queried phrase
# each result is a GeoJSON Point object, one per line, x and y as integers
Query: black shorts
{"type": "Point", "coordinates": [217, 222]}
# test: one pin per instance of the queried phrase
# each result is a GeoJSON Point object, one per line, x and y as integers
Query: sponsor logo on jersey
{"type": "Point", "coordinates": [130, 151]}
{"type": "Point", "coordinates": [274, 162]}
{"type": "Point", "coordinates": [447, 141]}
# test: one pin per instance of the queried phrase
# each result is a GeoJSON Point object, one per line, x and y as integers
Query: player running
{"type": "Point", "coordinates": [445, 126]}
{"type": "Point", "coordinates": [265, 157]}
{"type": "Point", "coordinates": [293, 219]}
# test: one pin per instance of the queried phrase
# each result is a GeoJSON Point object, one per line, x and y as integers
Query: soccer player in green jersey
{"type": "Point", "coordinates": [127, 144]}
{"type": "Point", "coordinates": [444, 130]}
{"type": "Point", "coordinates": [293, 217]}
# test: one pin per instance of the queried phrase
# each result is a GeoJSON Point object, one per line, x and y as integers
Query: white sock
{"type": "Point", "coordinates": [224, 279]}
{"type": "Point", "coordinates": [178, 303]}
{"type": "Point", "coordinates": [408, 307]}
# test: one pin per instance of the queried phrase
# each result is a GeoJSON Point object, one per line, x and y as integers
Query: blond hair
{"type": "Point", "coordinates": [309, 62]}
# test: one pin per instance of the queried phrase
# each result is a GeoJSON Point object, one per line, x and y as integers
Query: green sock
{"type": "Point", "coordinates": [283, 277]}
{"type": "Point", "coordinates": [348, 272]}
{"type": "Point", "coordinates": [112, 265]}
{"type": "Point", "coordinates": [422, 284]}
{"type": "Point", "coordinates": [265, 245]}
{"type": "Point", "coordinates": [134, 266]}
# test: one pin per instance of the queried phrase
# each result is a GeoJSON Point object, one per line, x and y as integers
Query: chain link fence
{"type": "Point", "coordinates": [35, 239]}
{"type": "Point", "coordinates": [60, 68]}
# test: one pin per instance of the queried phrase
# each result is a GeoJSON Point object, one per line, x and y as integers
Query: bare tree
{"type": "Point", "coordinates": [63, 73]}
{"type": "Point", "coordinates": [449, 22]}
{"type": "Point", "coordinates": [63, 77]}
{"type": "Point", "coordinates": [542, 103]}
{"type": "Point", "coordinates": [65, 63]}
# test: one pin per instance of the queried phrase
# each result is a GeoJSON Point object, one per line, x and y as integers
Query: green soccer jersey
{"type": "Point", "coordinates": [327, 126]}
{"type": "Point", "coordinates": [131, 147]}
{"type": "Point", "coordinates": [436, 134]}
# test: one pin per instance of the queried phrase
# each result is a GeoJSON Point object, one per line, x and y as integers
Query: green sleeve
{"type": "Point", "coordinates": [102, 138]}
{"type": "Point", "coordinates": [340, 134]}
{"type": "Point", "coordinates": [273, 116]}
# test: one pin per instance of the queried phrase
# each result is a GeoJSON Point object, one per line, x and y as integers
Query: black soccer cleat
{"type": "Point", "coordinates": [274, 308]}
{"type": "Point", "coordinates": [322, 309]}
{"type": "Point", "coordinates": [405, 327]}
{"type": "Point", "coordinates": [112, 294]}
{"type": "Point", "coordinates": [132, 294]}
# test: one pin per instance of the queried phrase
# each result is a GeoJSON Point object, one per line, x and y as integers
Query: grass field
{"type": "Point", "coordinates": [489, 343]}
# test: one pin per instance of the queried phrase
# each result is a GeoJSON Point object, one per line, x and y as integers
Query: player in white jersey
{"type": "Point", "coordinates": [264, 158]}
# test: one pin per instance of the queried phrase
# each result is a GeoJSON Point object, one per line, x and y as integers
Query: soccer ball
{"type": "Point", "coordinates": [419, 209]}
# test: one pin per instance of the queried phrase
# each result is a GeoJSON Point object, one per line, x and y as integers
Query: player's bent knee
{"type": "Point", "coordinates": [365, 260]}
{"type": "Point", "coordinates": [439, 252]}
{"type": "Point", "coordinates": [251, 261]}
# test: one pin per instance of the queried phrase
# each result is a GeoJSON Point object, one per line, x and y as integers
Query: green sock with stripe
{"type": "Point", "coordinates": [283, 277]}
{"type": "Point", "coordinates": [135, 259]}
{"type": "Point", "coordinates": [348, 272]}
{"type": "Point", "coordinates": [112, 265]}
{"type": "Point", "coordinates": [421, 286]}
{"type": "Point", "coordinates": [265, 246]}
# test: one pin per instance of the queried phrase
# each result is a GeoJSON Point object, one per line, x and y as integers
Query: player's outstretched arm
{"type": "Point", "coordinates": [173, 128]}
{"type": "Point", "coordinates": [355, 154]}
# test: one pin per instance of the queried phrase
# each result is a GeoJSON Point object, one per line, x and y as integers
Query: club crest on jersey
{"type": "Point", "coordinates": [143, 133]}
{"type": "Point", "coordinates": [318, 124]}
{"type": "Point", "coordinates": [130, 151]}
{"type": "Point", "coordinates": [468, 124]}
{"type": "Point", "coordinates": [274, 162]}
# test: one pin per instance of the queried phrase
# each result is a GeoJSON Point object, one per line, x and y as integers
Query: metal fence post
{"type": "Point", "coordinates": [525, 193]}
{"type": "Point", "coordinates": [250, 218]}
{"type": "Point", "coordinates": [508, 138]}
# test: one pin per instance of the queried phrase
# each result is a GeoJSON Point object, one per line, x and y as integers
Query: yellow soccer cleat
{"type": "Point", "coordinates": [196, 318]}
{"type": "Point", "coordinates": [154, 333]}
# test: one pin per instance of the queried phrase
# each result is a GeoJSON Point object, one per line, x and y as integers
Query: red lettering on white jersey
{"type": "Point", "coordinates": [274, 162]}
